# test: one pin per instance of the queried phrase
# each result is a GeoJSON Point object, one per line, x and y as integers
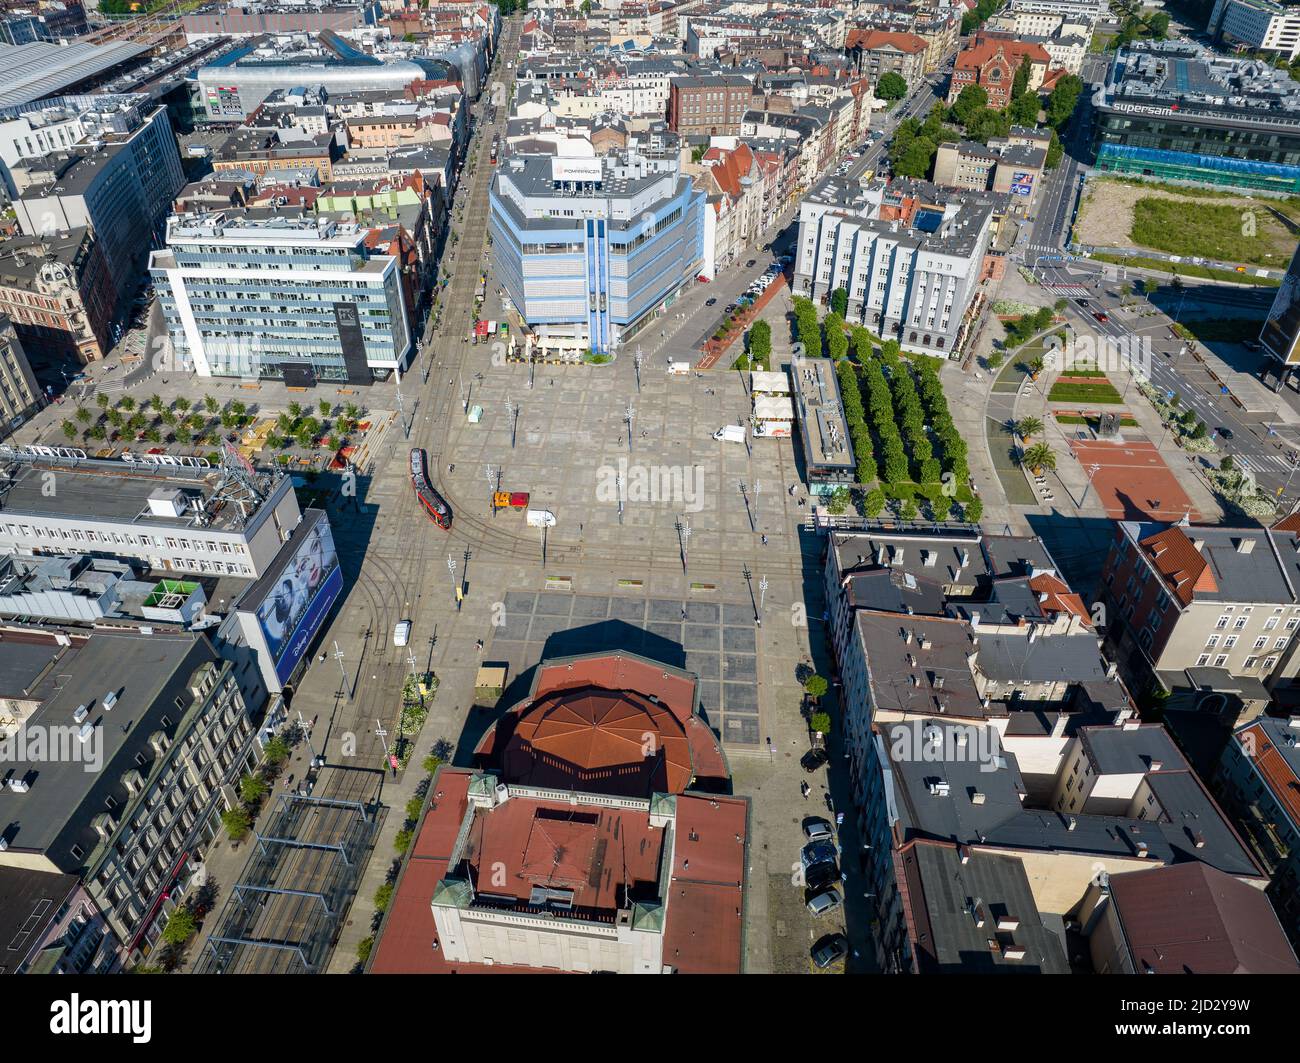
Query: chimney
{"type": "Point", "coordinates": [1008, 923]}
{"type": "Point", "coordinates": [1071, 823]}
{"type": "Point", "coordinates": [1142, 851]}
{"type": "Point", "coordinates": [977, 798]}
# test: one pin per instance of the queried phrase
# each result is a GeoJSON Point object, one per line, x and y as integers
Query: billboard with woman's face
{"type": "Point", "coordinates": [299, 597]}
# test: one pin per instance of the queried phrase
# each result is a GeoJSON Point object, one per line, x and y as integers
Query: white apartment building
{"type": "Point", "coordinates": [909, 255]}
{"type": "Point", "coordinates": [178, 518]}
{"type": "Point", "coordinates": [1259, 25]}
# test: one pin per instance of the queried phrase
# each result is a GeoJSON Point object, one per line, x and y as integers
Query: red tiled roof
{"type": "Point", "coordinates": [599, 741]}
{"type": "Point", "coordinates": [730, 166]}
{"type": "Point", "coordinates": [982, 49]}
{"type": "Point", "coordinates": [869, 40]}
{"type": "Point", "coordinates": [1060, 599]}
{"type": "Point", "coordinates": [1194, 919]}
{"type": "Point", "coordinates": [1181, 564]}
{"type": "Point", "coordinates": [706, 898]}
{"type": "Point", "coordinates": [1275, 770]}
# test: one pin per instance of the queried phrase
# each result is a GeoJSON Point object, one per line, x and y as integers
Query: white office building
{"type": "Point", "coordinates": [1259, 25]}
{"type": "Point", "coordinates": [909, 255]}
{"type": "Point", "coordinates": [291, 297]}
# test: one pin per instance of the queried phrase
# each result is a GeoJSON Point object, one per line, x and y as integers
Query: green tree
{"type": "Point", "coordinates": [127, 403]}
{"type": "Point", "coordinates": [1055, 152]}
{"type": "Point", "coordinates": [891, 87]}
{"type": "Point", "coordinates": [1020, 83]}
{"type": "Point", "coordinates": [1062, 99]}
{"type": "Point", "coordinates": [874, 502]}
{"type": "Point", "coordinates": [1038, 457]}
{"type": "Point", "coordinates": [211, 404]}
{"type": "Point", "coordinates": [760, 340]}
{"type": "Point", "coordinates": [325, 407]}
{"type": "Point", "coordinates": [276, 750]}
{"type": "Point", "coordinates": [83, 415]}
{"type": "Point", "coordinates": [182, 405]}
{"type": "Point", "coordinates": [237, 822]}
{"type": "Point", "coordinates": [815, 685]}
{"type": "Point", "coordinates": [839, 500]}
{"type": "Point", "coordinates": [916, 160]}
{"type": "Point", "coordinates": [1023, 110]}
{"type": "Point", "coordinates": [101, 400]}
{"type": "Point", "coordinates": [69, 430]}
{"type": "Point", "coordinates": [252, 788]}
{"type": "Point", "coordinates": [180, 927]}
{"type": "Point", "coordinates": [973, 510]}
{"type": "Point", "coordinates": [384, 897]}
{"type": "Point", "coordinates": [971, 99]}
{"type": "Point", "coordinates": [994, 360]}
{"type": "Point", "coordinates": [840, 301]}
{"type": "Point", "coordinates": [1028, 427]}
{"type": "Point", "coordinates": [820, 722]}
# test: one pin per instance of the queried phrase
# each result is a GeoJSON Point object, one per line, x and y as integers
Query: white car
{"type": "Point", "coordinates": [402, 633]}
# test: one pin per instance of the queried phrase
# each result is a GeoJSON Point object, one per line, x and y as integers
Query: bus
{"type": "Point", "coordinates": [434, 504]}
{"type": "Point", "coordinates": [495, 144]}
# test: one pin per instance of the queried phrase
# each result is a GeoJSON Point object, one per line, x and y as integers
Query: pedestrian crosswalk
{"type": "Point", "coordinates": [1074, 291]}
{"type": "Point", "coordinates": [1263, 463]}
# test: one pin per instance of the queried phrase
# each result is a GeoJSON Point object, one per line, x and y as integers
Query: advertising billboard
{"type": "Point", "coordinates": [283, 612]}
{"type": "Point", "coordinates": [1281, 331]}
{"type": "Point", "coordinates": [1022, 184]}
{"type": "Point", "coordinates": [575, 169]}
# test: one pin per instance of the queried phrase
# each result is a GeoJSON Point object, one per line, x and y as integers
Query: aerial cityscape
{"type": "Point", "coordinates": [649, 486]}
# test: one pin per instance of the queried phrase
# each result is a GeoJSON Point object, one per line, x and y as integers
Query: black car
{"type": "Point", "coordinates": [709, 302]}
{"type": "Point", "coordinates": [1226, 433]}
{"type": "Point", "coordinates": [821, 876]}
{"type": "Point", "coordinates": [814, 759]}
{"type": "Point", "coordinates": [751, 263]}
{"type": "Point", "coordinates": [1083, 303]}
{"type": "Point", "coordinates": [829, 949]}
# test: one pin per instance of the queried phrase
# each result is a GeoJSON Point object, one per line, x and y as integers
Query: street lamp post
{"type": "Point", "coordinates": [383, 737]}
{"type": "Point", "coordinates": [628, 415]}
{"type": "Point", "coordinates": [636, 363]}
{"type": "Point", "coordinates": [513, 411]}
{"type": "Point", "coordinates": [338, 656]}
{"type": "Point", "coordinates": [455, 587]}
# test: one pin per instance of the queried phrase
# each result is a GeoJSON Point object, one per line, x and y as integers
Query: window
{"type": "Point", "coordinates": [1261, 642]}
{"type": "Point", "coordinates": [1202, 660]}
{"type": "Point", "coordinates": [1269, 662]}
{"type": "Point", "coordinates": [1211, 642]}
{"type": "Point", "coordinates": [1251, 662]}
{"type": "Point", "coordinates": [1223, 621]}
{"type": "Point", "coordinates": [1220, 660]}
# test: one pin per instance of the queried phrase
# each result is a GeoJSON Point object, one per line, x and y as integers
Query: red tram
{"type": "Point", "coordinates": [434, 504]}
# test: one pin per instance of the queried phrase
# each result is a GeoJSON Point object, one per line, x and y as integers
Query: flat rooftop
{"type": "Point", "coordinates": [138, 667]}
{"type": "Point", "coordinates": [113, 492]}
{"type": "Point", "coordinates": [824, 429]}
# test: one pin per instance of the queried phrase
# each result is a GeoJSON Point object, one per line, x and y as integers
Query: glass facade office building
{"type": "Point", "coordinates": [1176, 112]}
{"type": "Point", "coordinates": [301, 299]}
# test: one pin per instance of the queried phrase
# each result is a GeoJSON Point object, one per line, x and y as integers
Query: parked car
{"type": "Point", "coordinates": [824, 902]}
{"type": "Point", "coordinates": [709, 302]}
{"type": "Point", "coordinates": [729, 308]}
{"type": "Point", "coordinates": [821, 876]}
{"type": "Point", "coordinates": [816, 829]}
{"type": "Point", "coordinates": [819, 852]}
{"type": "Point", "coordinates": [829, 949]}
{"type": "Point", "coordinates": [751, 263]}
{"type": "Point", "coordinates": [813, 759]}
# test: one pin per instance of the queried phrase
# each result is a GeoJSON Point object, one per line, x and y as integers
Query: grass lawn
{"type": "Point", "coordinates": [1103, 393]}
{"type": "Point", "coordinates": [1224, 330]}
{"type": "Point", "coordinates": [1186, 269]}
{"type": "Point", "coordinates": [1212, 230]}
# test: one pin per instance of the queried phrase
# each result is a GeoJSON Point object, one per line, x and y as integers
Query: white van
{"type": "Point", "coordinates": [730, 433]}
{"type": "Point", "coordinates": [402, 633]}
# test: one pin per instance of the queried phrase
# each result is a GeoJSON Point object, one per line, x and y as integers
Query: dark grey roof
{"type": "Point", "coordinates": [996, 887]}
{"type": "Point", "coordinates": [1017, 555]}
{"type": "Point", "coordinates": [1047, 659]}
{"type": "Point", "coordinates": [29, 902]}
{"type": "Point", "coordinates": [139, 668]}
{"type": "Point", "coordinates": [999, 819]}
{"type": "Point", "coordinates": [1130, 750]}
{"type": "Point", "coordinates": [907, 678]}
